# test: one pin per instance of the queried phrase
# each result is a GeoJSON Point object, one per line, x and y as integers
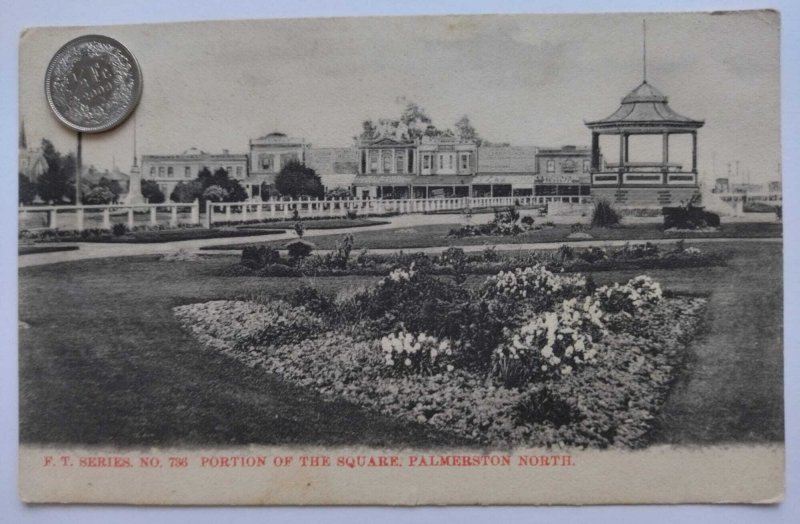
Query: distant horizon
{"type": "Point", "coordinates": [523, 79]}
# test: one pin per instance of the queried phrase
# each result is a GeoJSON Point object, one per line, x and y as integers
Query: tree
{"type": "Point", "coordinates": [413, 123]}
{"type": "Point", "coordinates": [112, 185]}
{"type": "Point", "coordinates": [465, 131]}
{"type": "Point", "coordinates": [27, 190]}
{"type": "Point", "coordinates": [296, 180]}
{"type": "Point", "coordinates": [215, 193]}
{"type": "Point", "coordinates": [98, 195]}
{"type": "Point", "coordinates": [186, 192]}
{"type": "Point", "coordinates": [57, 183]}
{"type": "Point", "coordinates": [234, 192]}
{"type": "Point", "coordinates": [152, 192]}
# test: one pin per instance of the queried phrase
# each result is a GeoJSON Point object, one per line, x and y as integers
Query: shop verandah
{"type": "Point", "coordinates": [567, 192]}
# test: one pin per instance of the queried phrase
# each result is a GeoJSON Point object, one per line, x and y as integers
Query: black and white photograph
{"type": "Point", "coordinates": [402, 260]}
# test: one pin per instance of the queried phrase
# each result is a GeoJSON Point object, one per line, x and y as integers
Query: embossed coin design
{"type": "Point", "coordinates": [93, 83]}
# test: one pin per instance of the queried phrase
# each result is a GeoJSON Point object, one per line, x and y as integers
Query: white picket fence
{"type": "Point", "coordinates": [220, 212]}
{"type": "Point", "coordinates": [102, 216]}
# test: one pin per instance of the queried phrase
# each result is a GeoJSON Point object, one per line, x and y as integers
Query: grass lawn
{"type": "Point", "coordinates": [436, 235]}
{"type": "Point", "coordinates": [103, 360]}
{"type": "Point", "coordinates": [324, 223]}
{"type": "Point", "coordinates": [168, 235]}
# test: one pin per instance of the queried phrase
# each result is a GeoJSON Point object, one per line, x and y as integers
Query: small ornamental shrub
{"type": "Point", "coordinates": [422, 354]}
{"type": "Point", "coordinates": [352, 214]}
{"type": "Point", "coordinates": [259, 257]}
{"type": "Point", "coordinates": [455, 258]}
{"type": "Point", "coordinates": [312, 299]}
{"type": "Point", "coordinates": [604, 215]}
{"type": "Point", "coordinates": [535, 285]}
{"type": "Point", "coordinates": [689, 216]}
{"type": "Point", "coordinates": [489, 254]}
{"type": "Point", "coordinates": [555, 343]}
{"type": "Point", "coordinates": [593, 254]}
{"type": "Point", "coordinates": [299, 249]}
{"type": "Point", "coordinates": [299, 228]}
{"type": "Point", "coordinates": [527, 221]}
{"type": "Point", "coordinates": [119, 229]}
{"type": "Point", "coordinates": [637, 293]}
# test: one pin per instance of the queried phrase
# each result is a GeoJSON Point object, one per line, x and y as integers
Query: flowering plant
{"type": "Point", "coordinates": [554, 343]}
{"type": "Point", "coordinates": [422, 354]}
{"type": "Point", "coordinates": [636, 294]}
{"type": "Point", "coordinates": [535, 283]}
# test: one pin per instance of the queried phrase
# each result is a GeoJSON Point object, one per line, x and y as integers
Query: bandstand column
{"type": "Point", "coordinates": [694, 151]}
{"type": "Point", "coordinates": [596, 151]}
{"type": "Point", "coordinates": [664, 157]}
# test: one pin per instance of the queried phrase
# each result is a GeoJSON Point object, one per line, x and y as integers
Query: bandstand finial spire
{"type": "Point", "coordinates": [644, 50]}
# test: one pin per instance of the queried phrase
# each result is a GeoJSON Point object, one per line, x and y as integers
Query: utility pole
{"type": "Point", "coordinates": [78, 169]}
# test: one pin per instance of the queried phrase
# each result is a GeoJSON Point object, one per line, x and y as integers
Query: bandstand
{"type": "Point", "coordinates": [653, 183]}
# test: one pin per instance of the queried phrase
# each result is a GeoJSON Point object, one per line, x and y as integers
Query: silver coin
{"type": "Point", "coordinates": [93, 83]}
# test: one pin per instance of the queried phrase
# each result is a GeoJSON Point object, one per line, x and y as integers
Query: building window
{"type": "Point", "coordinates": [551, 166]}
{"type": "Point", "coordinates": [363, 160]}
{"type": "Point", "coordinates": [266, 161]}
{"type": "Point", "coordinates": [465, 162]}
{"type": "Point", "coordinates": [187, 172]}
{"type": "Point", "coordinates": [586, 165]}
{"type": "Point", "coordinates": [400, 160]}
{"type": "Point", "coordinates": [160, 170]}
{"type": "Point", "coordinates": [288, 157]}
{"type": "Point", "coordinates": [229, 170]}
{"type": "Point", "coordinates": [170, 171]}
{"type": "Point", "coordinates": [450, 161]}
{"type": "Point", "coordinates": [152, 170]}
{"type": "Point", "coordinates": [387, 161]}
{"type": "Point", "coordinates": [568, 167]}
{"type": "Point", "coordinates": [373, 161]}
{"type": "Point", "coordinates": [410, 161]}
{"type": "Point", "coordinates": [239, 171]}
{"type": "Point", "coordinates": [441, 161]}
{"type": "Point", "coordinates": [426, 161]}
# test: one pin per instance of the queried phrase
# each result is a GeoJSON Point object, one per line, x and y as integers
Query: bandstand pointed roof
{"type": "Point", "coordinates": [644, 110]}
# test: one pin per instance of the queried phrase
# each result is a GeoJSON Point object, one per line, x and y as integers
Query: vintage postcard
{"type": "Point", "coordinates": [512, 259]}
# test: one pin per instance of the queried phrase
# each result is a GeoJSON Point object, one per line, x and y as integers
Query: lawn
{"type": "Point", "coordinates": [103, 360]}
{"type": "Point", "coordinates": [165, 235]}
{"type": "Point", "coordinates": [26, 249]}
{"type": "Point", "coordinates": [323, 223]}
{"type": "Point", "coordinates": [436, 235]}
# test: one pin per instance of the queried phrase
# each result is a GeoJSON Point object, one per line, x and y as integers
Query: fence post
{"type": "Point", "coordinates": [53, 218]}
{"type": "Point", "coordinates": [196, 211]}
{"type": "Point", "coordinates": [106, 218]}
{"type": "Point", "coordinates": [130, 218]}
{"type": "Point", "coordinates": [208, 214]}
{"type": "Point", "coordinates": [244, 212]}
{"type": "Point", "coordinates": [228, 213]}
{"type": "Point", "coordinates": [173, 218]}
{"type": "Point", "coordinates": [153, 216]}
{"type": "Point", "coordinates": [79, 219]}
{"type": "Point", "coordinates": [258, 211]}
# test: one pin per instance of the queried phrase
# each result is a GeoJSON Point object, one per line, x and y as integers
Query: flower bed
{"type": "Point", "coordinates": [455, 261]}
{"type": "Point", "coordinates": [534, 358]}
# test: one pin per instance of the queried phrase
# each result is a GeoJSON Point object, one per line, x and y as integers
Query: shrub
{"type": "Point", "coordinates": [527, 221]}
{"type": "Point", "coordinates": [351, 214]}
{"type": "Point", "coordinates": [299, 249]}
{"type": "Point", "coordinates": [343, 249]}
{"type": "Point", "coordinates": [593, 254]}
{"type": "Point", "coordinates": [119, 229]}
{"type": "Point", "coordinates": [299, 228]}
{"type": "Point", "coordinates": [689, 216]}
{"type": "Point", "coordinates": [312, 299]}
{"type": "Point", "coordinates": [638, 292]}
{"type": "Point", "coordinates": [259, 257]}
{"type": "Point", "coordinates": [555, 343]}
{"type": "Point", "coordinates": [604, 215]}
{"type": "Point", "coordinates": [489, 254]}
{"type": "Point", "coordinates": [455, 258]}
{"type": "Point", "coordinates": [535, 285]}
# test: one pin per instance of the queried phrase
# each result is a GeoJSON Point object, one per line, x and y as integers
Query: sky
{"type": "Point", "coordinates": [523, 79]}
